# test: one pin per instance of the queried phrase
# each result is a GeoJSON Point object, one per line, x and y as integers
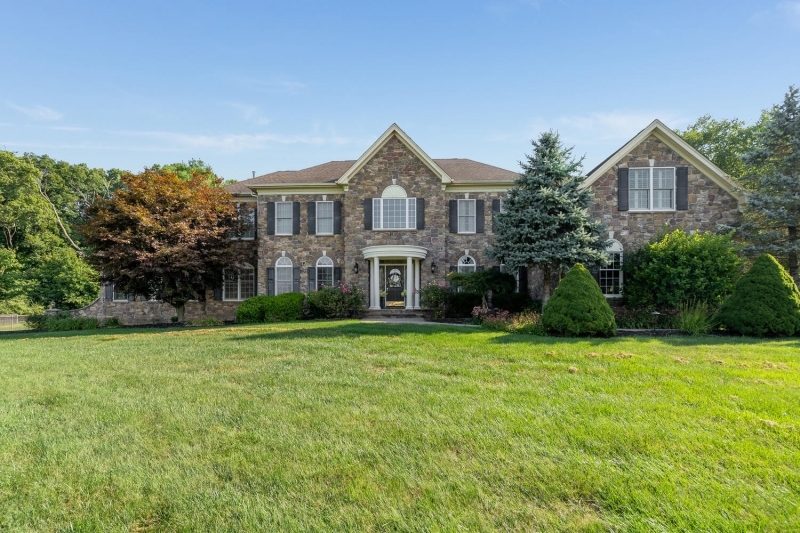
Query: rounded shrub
{"type": "Point", "coordinates": [342, 301]}
{"type": "Point", "coordinates": [251, 310]}
{"type": "Point", "coordinates": [578, 307]}
{"type": "Point", "coordinates": [281, 308]}
{"type": "Point", "coordinates": [764, 303]}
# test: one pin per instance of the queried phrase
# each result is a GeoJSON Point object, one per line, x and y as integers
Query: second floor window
{"type": "Point", "coordinates": [651, 188]}
{"type": "Point", "coordinates": [324, 218]}
{"type": "Point", "coordinates": [466, 216]}
{"type": "Point", "coordinates": [246, 227]}
{"type": "Point", "coordinates": [283, 218]}
{"type": "Point", "coordinates": [394, 213]}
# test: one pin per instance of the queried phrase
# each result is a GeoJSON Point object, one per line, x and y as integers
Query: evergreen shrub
{"type": "Point", "coordinates": [765, 302]}
{"type": "Point", "coordinates": [251, 310]}
{"type": "Point", "coordinates": [461, 304]}
{"type": "Point", "coordinates": [677, 267]}
{"type": "Point", "coordinates": [343, 301]}
{"type": "Point", "coordinates": [281, 308]}
{"type": "Point", "coordinates": [514, 302]}
{"type": "Point", "coordinates": [578, 307]}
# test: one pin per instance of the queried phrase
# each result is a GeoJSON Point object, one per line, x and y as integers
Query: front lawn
{"type": "Point", "coordinates": [344, 426]}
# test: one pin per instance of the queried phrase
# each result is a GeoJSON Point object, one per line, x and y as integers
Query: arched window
{"type": "Point", "coordinates": [283, 276]}
{"type": "Point", "coordinates": [394, 210]}
{"type": "Point", "coordinates": [466, 264]}
{"type": "Point", "coordinates": [324, 272]}
{"type": "Point", "coordinates": [238, 283]}
{"type": "Point", "coordinates": [610, 276]}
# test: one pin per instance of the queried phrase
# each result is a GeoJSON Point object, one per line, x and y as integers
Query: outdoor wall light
{"type": "Point", "coordinates": [433, 267]}
{"type": "Point", "coordinates": [355, 268]}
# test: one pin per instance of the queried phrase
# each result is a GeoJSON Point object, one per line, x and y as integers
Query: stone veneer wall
{"type": "Point", "coordinates": [141, 313]}
{"type": "Point", "coordinates": [709, 204]}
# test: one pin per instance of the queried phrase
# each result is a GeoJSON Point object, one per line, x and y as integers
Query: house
{"type": "Point", "coordinates": [395, 219]}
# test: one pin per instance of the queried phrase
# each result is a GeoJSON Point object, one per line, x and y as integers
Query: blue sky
{"type": "Point", "coordinates": [269, 86]}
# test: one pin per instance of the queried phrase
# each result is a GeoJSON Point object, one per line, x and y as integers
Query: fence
{"type": "Point", "coordinates": [12, 322]}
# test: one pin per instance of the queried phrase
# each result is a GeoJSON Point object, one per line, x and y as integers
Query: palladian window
{"type": "Point", "coordinates": [324, 272]}
{"type": "Point", "coordinates": [394, 210]}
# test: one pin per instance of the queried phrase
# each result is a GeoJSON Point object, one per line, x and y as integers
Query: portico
{"type": "Point", "coordinates": [409, 277]}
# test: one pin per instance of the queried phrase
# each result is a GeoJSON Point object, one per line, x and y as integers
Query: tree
{"type": "Point", "coordinates": [186, 170]}
{"type": "Point", "coordinates": [725, 142]}
{"type": "Point", "coordinates": [163, 236]}
{"type": "Point", "coordinates": [545, 222]}
{"type": "Point", "coordinates": [772, 212]}
{"type": "Point", "coordinates": [578, 308]}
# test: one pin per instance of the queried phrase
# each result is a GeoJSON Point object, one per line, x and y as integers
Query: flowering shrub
{"type": "Point", "coordinates": [526, 322]}
{"type": "Point", "coordinates": [434, 296]}
{"type": "Point", "coordinates": [342, 301]}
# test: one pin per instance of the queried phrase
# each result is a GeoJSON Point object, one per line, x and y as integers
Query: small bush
{"type": "Point", "coordinates": [461, 304]}
{"type": "Point", "coordinates": [344, 301]}
{"type": "Point", "coordinates": [62, 322]}
{"type": "Point", "coordinates": [251, 310]}
{"type": "Point", "coordinates": [677, 267]}
{"type": "Point", "coordinates": [111, 322]}
{"type": "Point", "coordinates": [514, 302]}
{"type": "Point", "coordinates": [434, 297]}
{"type": "Point", "coordinates": [696, 318]}
{"type": "Point", "coordinates": [578, 308]}
{"type": "Point", "coordinates": [765, 302]}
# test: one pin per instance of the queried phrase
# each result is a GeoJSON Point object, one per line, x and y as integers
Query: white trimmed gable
{"type": "Point", "coordinates": [659, 130]}
{"type": "Point", "coordinates": [394, 130]}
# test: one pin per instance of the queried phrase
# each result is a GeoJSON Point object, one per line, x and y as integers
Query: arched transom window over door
{"type": "Point", "coordinates": [284, 281]}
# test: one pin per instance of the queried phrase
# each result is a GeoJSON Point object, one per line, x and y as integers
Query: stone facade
{"type": "Point", "coordinates": [146, 312]}
{"type": "Point", "coordinates": [709, 204]}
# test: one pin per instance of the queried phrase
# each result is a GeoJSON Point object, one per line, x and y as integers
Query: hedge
{"type": "Point", "coordinates": [281, 308]}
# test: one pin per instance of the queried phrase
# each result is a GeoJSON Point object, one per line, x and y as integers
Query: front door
{"type": "Point", "coordinates": [394, 281]}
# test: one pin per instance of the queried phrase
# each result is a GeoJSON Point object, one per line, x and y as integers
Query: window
{"type": "Point", "coordinates": [283, 218]}
{"type": "Point", "coordinates": [284, 281]}
{"type": "Point", "coordinates": [466, 264]}
{"type": "Point", "coordinates": [324, 218]}
{"type": "Point", "coordinates": [238, 283]}
{"type": "Point", "coordinates": [502, 205]}
{"type": "Point", "coordinates": [120, 296]}
{"type": "Point", "coordinates": [610, 276]}
{"type": "Point", "coordinates": [324, 272]}
{"type": "Point", "coordinates": [393, 210]}
{"type": "Point", "coordinates": [246, 213]}
{"type": "Point", "coordinates": [651, 188]}
{"type": "Point", "coordinates": [466, 216]}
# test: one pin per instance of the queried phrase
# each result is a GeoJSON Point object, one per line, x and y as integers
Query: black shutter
{"type": "Point", "coordinates": [495, 210]}
{"type": "Point", "coordinates": [523, 280]}
{"type": "Point", "coordinates": [312, 279]}
{"type": "Point", "coordinates": [312, 218]}
{"type": "Point", "coordinates": [453, 216]}
{"type": "Point", "coordinates": [453, 268]}
{"type": "Point", "coordinates": [218, 290]}
{"type": "Point", "coordinates": [296, 279]}
{"type": "Point", "coordinates": [337, 275]}
{"type": "Point", "coordinates": [270, 218]}
{"type": "Point", "coordinates": [420, 213]}
{"type": "Point", "coordinates": [337, 218]}
{"type": "Point", "coordinates": [479, 216]}
{"type": "Point", "coordinates": [271, 281]}
{"type": "Point", "coordinates": [296, 218]}
{"type": "Point", "coordinates": [479, 268]}
{"type": "Point", "coordinates": [367, 213]}
{"type": "Point", "coordinates": [682, 188]}
{"type": "Point", "coordinates": [109, 291]}
{"type": "Point", "coordinates": [622, 189]}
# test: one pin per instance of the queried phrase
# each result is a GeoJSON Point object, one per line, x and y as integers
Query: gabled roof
{"type": "Point", "coordinates": [394, 130]}
{"type": "Point", "coordinates": [674, 141]}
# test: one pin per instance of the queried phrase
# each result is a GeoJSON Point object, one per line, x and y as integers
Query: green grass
{"type": "Point", "coordinates": [343, 426]}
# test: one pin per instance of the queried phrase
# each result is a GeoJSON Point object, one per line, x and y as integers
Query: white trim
{"type": "Point", "coordinates": [614, 247]}
{"type": "Point", "coordinates": [316, 218]}
{"type": "Point", "coordinates": [674, 141]}
{"type": "Point", "coordinates": [291, 218]}
{"type": "Point", "coordinates": [466, 261]}
{"type": "Point", "coordinates": [650, 196]}
{"type": "Point", "coordinates": [289, 189]}
{"type": "Point", "coordinates": [394, 250]}
{"type": "Point", "coordinates": [474, 216]}
{"type": "Point", "coordinates": [238, 274]}
{"type": "Point", "coordinates": [479, 186]}
{"type": "Point", "coordinates": [394, 129]}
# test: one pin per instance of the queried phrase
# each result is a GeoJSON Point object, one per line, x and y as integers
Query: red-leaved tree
{"type": "Point", "coordinates": [163, 236]}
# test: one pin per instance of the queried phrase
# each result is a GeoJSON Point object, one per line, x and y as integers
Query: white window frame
{"type": "Point", "coordinates": [614, 248]}
{"type": "Point", "coordinates": [474, 216]}
{"type": "Point", "coordinates": [237, 272]}
{"type": "Point", "coordinates": [467, 262]}
{"type": "Point", "coordinates": [317, 230]}
{"type": "Point", "coordinates": [115, 293]}
{"type": "Point", "coordinates": [410, 213]}
{"type": "Point", "coordinates": [284, 264]}
{"type": "Point", "coordinates": [323, 263]}
{"type": "Point", "coordinates": [650, 190]}
{"type": "Point", "coordinates": [290, 218]}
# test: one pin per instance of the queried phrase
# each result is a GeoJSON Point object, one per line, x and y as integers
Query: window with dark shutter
{"type": "Point", "coordinates": [312, 217]}
{"type": "Point", "coordinates": [622, 189]}
{"type": "Point", "coordinates": [270, 218]}
{"type": "Point", "coordinates": [337, 218]}
{"type": "Point", "coordinates": [295, 218]}
{"type": "Point", "coordinates": [420, 213]}
{"type": "Point", "coordinates": [480, 219]}
{"type": "Point", "coordinates": [367, 213]}
{"type": "Point", "coordinates": [682, 188]}
{"type": "Point", "coordinates": [453, 213]}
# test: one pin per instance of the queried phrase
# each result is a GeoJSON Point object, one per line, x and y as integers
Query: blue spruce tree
{"type": "Point", "coordinates": [545, 220]}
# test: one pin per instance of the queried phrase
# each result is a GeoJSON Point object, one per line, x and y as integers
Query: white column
{"type": "Point", "coordinates": [375, 283]}
{"type": "Point", "coordinates": [417, 274]}
{"type": "Point", "coordinates": [409, 283]}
